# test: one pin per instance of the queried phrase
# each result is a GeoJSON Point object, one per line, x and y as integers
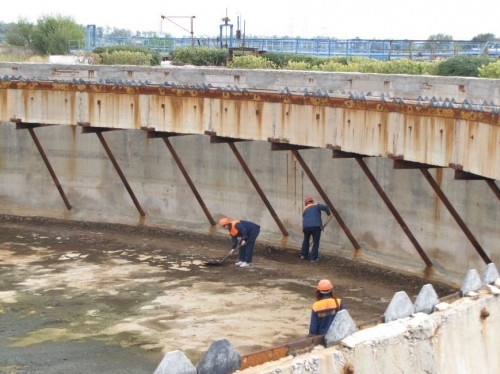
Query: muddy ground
{"type": "Point", "coordinates": [81, 297]}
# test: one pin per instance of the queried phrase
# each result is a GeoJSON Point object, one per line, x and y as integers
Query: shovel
{"type": "Point", "coordinates": [219, 262]}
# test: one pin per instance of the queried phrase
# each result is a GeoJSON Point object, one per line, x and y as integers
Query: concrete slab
{"type": "Point", "coordinates": [471, 283]}
{"type": "Point", "coordinates": [399, 307]}
{"type": "Point", "coordinates": [490, 274]}
{"type": "Point", "coordinates": [343, 325]}
{"type": "Point", "coordinates": [426, 300]}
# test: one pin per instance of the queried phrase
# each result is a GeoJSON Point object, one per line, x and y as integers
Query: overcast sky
{"type": "Point", "coordinates": [366, 19]}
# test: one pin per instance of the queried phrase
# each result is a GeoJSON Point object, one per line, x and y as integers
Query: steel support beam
{"type": "Point", "coordinates": [98, 132]}
{"type": "Point", "coordinates": [230, 141]}
{"type": "Point", "coordinates": [257, 188]}
{"type": "Point", "coordinates": [30, 127]}
{"type": "Point", "coordinates": [325, 198]}
{"type": "Point", "coordinates": [494, 187]}
{"type": "Point", "coordinates": [460, 174]}
{"type": "Point", "coordinates": [188, 180]}
{"type": "Point", "coordinates": [455, 215]}
{"type": "Point", "coordinates": [393, 210]}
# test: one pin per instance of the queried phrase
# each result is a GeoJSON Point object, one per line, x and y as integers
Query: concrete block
{"type": "Point", "coordinates": [441, 306]}
{"type": "Point", "coordinates": [220, 358]}
{"type": "Point", "coordinates": [472, 282]}
{"type": "Point", "coordinates": [343, 325]}
{"type": "Point", "coordinates": [426, 300]}
{"type": "Point", "coordinates": [493, 290]}
{"type": "Point", "coordinates": [491, 274]}
{"type": "Point", "coordinates": [399, 307]}
{"type": "Point", "coordinates": [175, 362]}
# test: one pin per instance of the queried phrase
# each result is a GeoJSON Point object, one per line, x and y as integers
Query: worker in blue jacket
{"type": "Point", "coordinates": [324, 309]}
{"type": "Point", "coordinates": [248, 232]}
{"type": "Point", "coordinates": [311, 226]}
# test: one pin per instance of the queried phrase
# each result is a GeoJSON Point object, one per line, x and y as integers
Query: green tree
{"type": "Point", "coordinates": [484, 37]}
{"type": "Point", "coordinates": [20, 33]}
{"type": "Point", "coordinates": [462, 66]}
{"type": "Point", "coordinates": [52, 33]}
{"type": "Point", "coordinates": [440, 37]}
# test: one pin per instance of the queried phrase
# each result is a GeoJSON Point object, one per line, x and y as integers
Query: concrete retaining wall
{"type": "Point", "coordinates": [96, 192]}
{"type": "Point", "coordinates": [460, 339]}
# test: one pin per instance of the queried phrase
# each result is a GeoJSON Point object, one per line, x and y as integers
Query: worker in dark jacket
{"type": "Point", "coordinates": [311, 226]}
{"type": "Point", "coordinates": [248, 232]}
{"type": "Point", "coordinates": [324, 309]}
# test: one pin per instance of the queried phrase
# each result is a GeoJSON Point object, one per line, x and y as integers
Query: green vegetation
{"type": "Point", "coordinates": [199, 56]}
{"type": "Point", "coordinates": [492, 70]}
{"type": "Point", "coordinates": [51, 35]}
{"type": "Point", "coordinates": [462, 66]}
{"type": "Point", "coordinates": [127, 55]}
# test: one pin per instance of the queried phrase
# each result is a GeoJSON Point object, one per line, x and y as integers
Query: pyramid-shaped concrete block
{"type": "Point", "coordinates": [426, 300]}
{"type": "Point", "coordinates": [175, 362]}
{"type": "Point", "coordinates": [491, 274]}
{"type": "Point", "coordinates": [343, 325]}
{"type": "Point", "coordinates": [399, 307]}
{"type": "Point", "coordinates": [221, 358]}
{"type": "Point", "coordinates": [471, 283]}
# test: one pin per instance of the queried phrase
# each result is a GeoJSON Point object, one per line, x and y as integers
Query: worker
{"type": "Point", "coordinates": [248, 232]}
{"type": "Point", "coordinates": [324, 309]}
{"type": "Point", "coordinates": [312, 226]}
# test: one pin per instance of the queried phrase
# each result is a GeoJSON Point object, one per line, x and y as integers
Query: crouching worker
{"type": "Point", "coordinates": [248, 231]}
{"type": "Point", "coordinates": [324, 309]}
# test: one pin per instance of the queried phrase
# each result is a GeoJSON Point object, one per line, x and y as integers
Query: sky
{"type": "Point", "coordinates": [365, 19]}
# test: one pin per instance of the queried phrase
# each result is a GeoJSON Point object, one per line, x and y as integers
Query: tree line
{"type": "Point", "coordinates": [50, 35]}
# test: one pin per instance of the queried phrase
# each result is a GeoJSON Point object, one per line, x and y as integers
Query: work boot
{"type": "Point", "coordinates": [238, 263]}
{"type": "Point", "coordinates": [244, 265]}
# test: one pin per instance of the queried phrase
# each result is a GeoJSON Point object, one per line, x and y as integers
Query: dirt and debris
{"type": "Point", "coordinates": [87, 297]}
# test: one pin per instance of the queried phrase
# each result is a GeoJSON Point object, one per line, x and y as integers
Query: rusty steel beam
{"type": "Point", "coordinates": [455, 215]}
{"type": "Point", "coordinates": [325, 198]}
{"type": "Point", "coordinates": [494, 187]}
{"type": "Point", "coordinates": [275, 353]}
{"type": "Point", "coordinates": [188, 179]}
{"type": "Point", "coordinates": [30, 128]}
{"type": "Point", "coordinates": [393, 210]}
{"type": "Point", "coordinates": [261, 357]}
{"type": "Point", "coordinates": [257, 188]}
{"type": "Point", "coordinates": [230, 141]}
{"type": "Point", "coordinates": [88, 130]}
{"type": "Point", "coordinates": [460, 174]}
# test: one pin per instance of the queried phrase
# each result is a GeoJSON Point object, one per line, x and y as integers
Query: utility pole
{"type": "Point", "coordinates": [168, 18]}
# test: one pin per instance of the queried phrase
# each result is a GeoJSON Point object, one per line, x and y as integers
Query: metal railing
{"type": "Point", "coordinates": [377, 49]}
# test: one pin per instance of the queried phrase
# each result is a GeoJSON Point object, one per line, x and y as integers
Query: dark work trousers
{"type": "Point", "coordinates": [246, 251]}
{"type": "Point", "coordinates": [315, 232]}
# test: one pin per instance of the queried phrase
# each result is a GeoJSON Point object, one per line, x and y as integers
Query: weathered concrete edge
{"type": "Point", "coordinates": [420, 342]}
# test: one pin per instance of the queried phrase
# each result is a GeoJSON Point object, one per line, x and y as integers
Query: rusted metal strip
{"type": "Point", "coordinates": [261, 357]}
{"type": "Point", "coordinates": [188, 180]}
{"type": "Point", "coordinates": [455, 215]}
{"type": "Point", "coordinates": [257, 187]}
{"type": "Point", "coordinates": [49, 167]}
{"type": "Point", "coordinates": [305, 345]}
{"type": "Point", "coordinates": [325, 198]}
{"type": "Point", "coordinates": [120, 173]}
{"type": "Point", "coordinates": [393, 210]}
{"type": "Point", "coordinates": [494, 187]}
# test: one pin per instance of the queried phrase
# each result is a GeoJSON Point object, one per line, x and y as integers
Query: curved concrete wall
{"type": "Point", "coordinates": [96, 192]}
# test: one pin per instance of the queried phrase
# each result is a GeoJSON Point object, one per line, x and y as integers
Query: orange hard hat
{"type": "Point", "coordinates": [224, 221]}
{"type": "Point", "coordinates": [324, 285]}
{"type": "Point", "coordinates": [308, 200]}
